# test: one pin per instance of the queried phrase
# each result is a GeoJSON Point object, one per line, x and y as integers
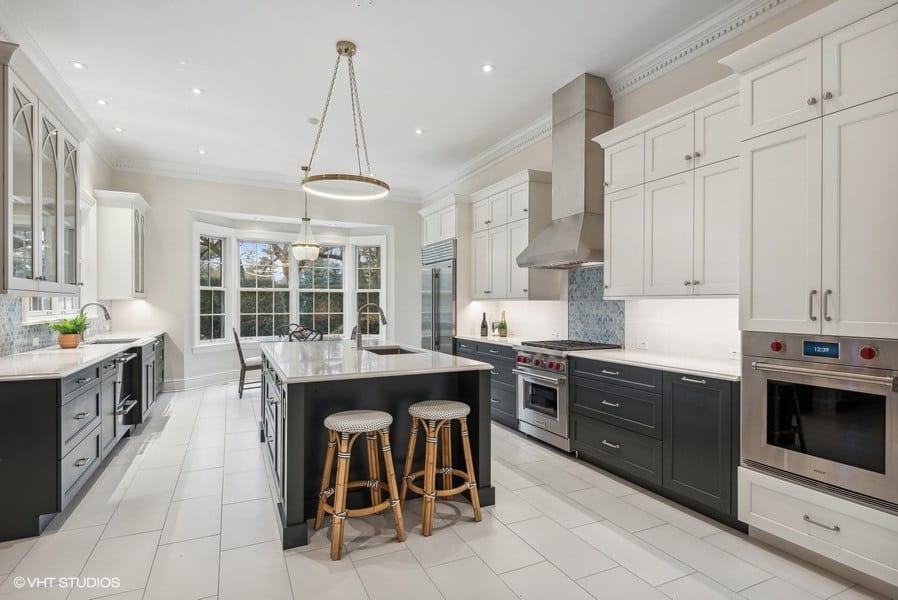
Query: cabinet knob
{"type": "Point", "coordinates": [487, 291]}
{"type": "Point", "coordinates": [827, 95]}
{"type": "Point", "coordinates": [605, 286]}
{"type": "Point", "coordinates": [688, 157]}
{"type": "Point", "coordinates": [695, 282]}
{"type": "Point", "coordinates": [696, 154]}
{"type": "Point", "coordinates": [607, 184]}
{"type": "Point", "coordinates": [812, 101]}
{"type": "Point", "coordinates": [687, 282]}
{"type": "Point", "coordinates": [487, 222]}
{"type": "Point", "coordinates": [526, 210]}
{"type": "Point", "coordinates": [525, 290]}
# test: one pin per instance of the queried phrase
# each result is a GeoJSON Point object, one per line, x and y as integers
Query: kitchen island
{"type": "Point", "coordinates": [303, 382]}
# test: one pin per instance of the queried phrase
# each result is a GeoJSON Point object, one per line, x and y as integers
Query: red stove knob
{"type": "Point", "coordinates": [776, 346]}
{"type": "Point", "coordinates": [518, 358]}
{"type": "Point", "coordinates": [868, 352]}
{"type": "Point", "coordinates": [551, 364]}
{"type": "Point", "coordinates": [537, 362]}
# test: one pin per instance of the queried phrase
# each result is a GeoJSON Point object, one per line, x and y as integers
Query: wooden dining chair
{"type": "Point", "coordinates": [253, 363]}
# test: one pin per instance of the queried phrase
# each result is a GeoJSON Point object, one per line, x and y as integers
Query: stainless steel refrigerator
{"type": "Point", "coordinates": [438, 296]}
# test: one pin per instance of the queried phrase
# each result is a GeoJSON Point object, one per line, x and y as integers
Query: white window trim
{"type": "Point", "coordinates": [38, 317]}
{"type": "Point", "coordinates": [205, 229]}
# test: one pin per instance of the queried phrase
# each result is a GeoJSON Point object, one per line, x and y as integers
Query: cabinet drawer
{"type": "Point", "coordinates": [626, 375]}
{"type": "Point", "coordinates": [76, 467]}
{"type": "Point", "coordinates": [107, 367]}
{"type": "Point", "coordinates": [502, 371]}
{"type": "Point", "coordinates": [493, 350]}
{"type": "Point", "coordinates": [78, 415]}
{"type": "Point", "coordinates": [866, 538]}
{"type": "Point", "coordinates": [77, 381]}
{"type": "Point", "coordinates": [465, 347]}
{"type": "Point", "coordinates": [625, 407]}
{"type": "Point", "coordinates": [503, 398]}
{"type": "Point", "coordinates": [636, 454]}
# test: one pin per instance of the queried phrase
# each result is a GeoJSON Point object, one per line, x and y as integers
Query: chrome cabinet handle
{"type": "Point", "coordinates": [812, 101]}
{"type": "Point", "coordinates": [607, 372]}
{"type": "Point", "coordinates": [525, 290]}
{"type": "Point", "coordinates": [826, 296]}
{"type": "Point", "coordinates": [487, 291]}
{"type": "Point", "coordinates": [827, 95]}
{"type": "Point", "coordinates": [494, 401]}
{"type": "Point", "coordinates": [487, 222]}
{"type": "Point", "coordinates": [688, 157]}
{"type": "Point", "coordinates": [808, 519]}
{"type": "Point", "coordinates": [611, 445]}
{"type": "Point", "coordinates": [81, 415]}
{"type": "Point", "coordinates": [494, 372]}
{"type": "Point", "coordinates": [811, 305]}
{"type": "Point", "coordinates": [81, 462]}
{"type": "Point", "coordinates": [493, 351]}
{"type": "Point", "coordinates": [611, 404]}
{"type": "Point", "coordinates": [687, 282]}
{"type": "Point", "coordinates": [691, 380]}
{"type": "Point", "coordinates": [83, 380]}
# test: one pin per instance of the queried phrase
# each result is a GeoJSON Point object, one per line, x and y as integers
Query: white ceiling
{"type": "Point", "coordinates": [265, 66]}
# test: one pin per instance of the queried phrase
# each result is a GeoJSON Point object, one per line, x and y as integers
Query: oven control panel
{"type": "Point", "coordinates": [858, 352]}
{"type": "Point", "coordinates": [544, 362]}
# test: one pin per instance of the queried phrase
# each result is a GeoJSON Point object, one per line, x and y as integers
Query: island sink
{"type": "Point", "coordinates": [389, 350]}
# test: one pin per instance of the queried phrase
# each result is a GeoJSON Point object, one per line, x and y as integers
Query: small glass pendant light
{"type": "Point", "coordinates": [305, 248]}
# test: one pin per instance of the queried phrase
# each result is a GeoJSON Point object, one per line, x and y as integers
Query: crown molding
{"type": "Point", "coordinates": [521, 139]}
{"type": "Point", "coordinates": [709, 33]}
{"type": "Point", "coordinates": [225, 175]}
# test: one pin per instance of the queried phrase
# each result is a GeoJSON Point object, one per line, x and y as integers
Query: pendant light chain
{"type": "Point", "coordinates": [355, 117]}
{"type": "Point", "coordinates": [327, 102]}
{"type": "Point", "coordinates": [357, 108]}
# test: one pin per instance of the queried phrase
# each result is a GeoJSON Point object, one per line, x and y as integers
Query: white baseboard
{"type": "Point", "coordinates": [201, 381]}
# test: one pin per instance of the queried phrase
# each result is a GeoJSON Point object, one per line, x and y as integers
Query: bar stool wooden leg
{"type": "Point", "coordinates": [326, 477]}
{"type": "Point", "coordinates": [469, 466]}
{"type": "Point", "coordinates": [446, 443]}
{"type": "Point", "coordinates": [340, 496]}
{"type": "Point", "coordinates": [430, 476]}
{"type": "Point", "coordinates": [390, 472]}
{"type": "Point", "coordinates": [373, 469]}
{"type": "Point", "coordinates": [409, 458]}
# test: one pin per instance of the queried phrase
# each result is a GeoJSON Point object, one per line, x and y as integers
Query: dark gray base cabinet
{"type": "Point", "coordinates": [673, 433]}
{"type": "Point", "coordinates": [503, 395]}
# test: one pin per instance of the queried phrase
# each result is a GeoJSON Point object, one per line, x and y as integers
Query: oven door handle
{"type": "Point", "coordinates": [555, 380]}
{"type": "Point", "coordinates": [889, 382]}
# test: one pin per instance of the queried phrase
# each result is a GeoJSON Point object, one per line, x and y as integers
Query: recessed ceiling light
{"type": "Point", "coordinates": [203, 151]}
{"type": "Point", "coordinates": [198, 91]}
{"type": "Point", "coordinates": [102, 102]}
{"type": "Point", "coordinates": [419, 131]}
{"type": "Point", "coordinates": [487, 68]}
{"type": "Point", "coordinates": [118, 129]}
{"type": "Point", "coordinates": [78, 65]}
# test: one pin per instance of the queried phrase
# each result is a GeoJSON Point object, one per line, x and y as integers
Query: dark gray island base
{"type": "Point", "coordinates": [295, 440]}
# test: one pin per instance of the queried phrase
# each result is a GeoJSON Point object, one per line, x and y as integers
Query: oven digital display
{"type": "Point", "coordinates": [824, 349]}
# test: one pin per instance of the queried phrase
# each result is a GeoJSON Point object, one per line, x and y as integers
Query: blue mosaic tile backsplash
{"type": "Point", "coordinates": [591, 318]}
{"type": "Point", "coordinates": [15, 337]}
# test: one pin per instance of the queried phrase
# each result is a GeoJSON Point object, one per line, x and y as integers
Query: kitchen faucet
{"type": "Point", "coordinates": [356, 333]}
{"type": "Point", "coordinates": [104, 309]}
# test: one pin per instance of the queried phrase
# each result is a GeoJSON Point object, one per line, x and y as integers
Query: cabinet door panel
{"type": "Point", "coordinates": [498, 209]}
{"type": "Point", "coordinates": [779, 287]}
{"type": "Point", "coordinates": [855, 68]}
{"type": "Point", "coordinates": [716, 235]}
{"type": "Point", "coordinates": [624, 225]}
{"type": "Point", "coordinates": [21, 187]}
{"type": "Point", "coordinates": [480, 248]}
{"type": "Point", "coordinates": [447, 224]}
{"type": "Point", "coordinates": [860, 213]}
{"type": "Point", "coordinates": [777, 94]}
{"type": "Point", "coordinates": [498, 243]}
{"type": "Point", "coordinates": [518, 279]}
{"type": "Point", "coordinates": [717, 131]}
{"type": "Point", "coordinates": [624, 164]}
{"type": "Point", "coordinates": [48, 206]}
{"type": "Point", "coordinates": [71, 217]}
{"type": "Point", "coordinates": [668, 236]}
{"type": "Point", "coordinates": [519, 202]}
{"type": "Point", "coordinates": [481, 215]}
{"type": "Point", "coordinates": [431, 228]}
{"type": "Point", "coordinates": [669, 148]}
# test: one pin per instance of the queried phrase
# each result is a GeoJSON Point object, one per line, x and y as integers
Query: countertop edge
{"type": "Point", "coordinates": [654, 363]}
{"type": "Point", "coordinates": [490, 340]}
{"type": "Point", "coordinates": [381, 375]}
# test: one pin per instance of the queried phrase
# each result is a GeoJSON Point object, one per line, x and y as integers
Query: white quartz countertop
{"type": "Point", "coordinates": [54, 362]}
{"type": "Point", "coordinates": [494, 339]}
{"type": "Point", "coordinates": [727, 369]}
{"type": "Point", "coordinates": [303, 362]}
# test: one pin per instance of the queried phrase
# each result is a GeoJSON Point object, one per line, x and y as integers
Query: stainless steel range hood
{"type": "Point", "coordinates": [581, 110]}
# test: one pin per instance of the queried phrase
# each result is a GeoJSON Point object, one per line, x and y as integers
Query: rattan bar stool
{"type": "Point", "coordinates": [343, 430]}
{"type": "Point", "coordinates": [436, 417]}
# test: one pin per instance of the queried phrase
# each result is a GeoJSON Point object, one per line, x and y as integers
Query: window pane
{"type": "Point", "coordinates": [215, 273]}
{"type": "Point", "coordinates": [373, 279]}
{"type": "Point", "coordinates": [305, 277]}
{"type": "Point", "coordinates": [247, 302]}
{"type": "Point", "coordinates": [247, 276]}
{"type": "Point", "coordinates": [335, 324]}
{"type": "Point", "coordinates": [306, 321]}
{"type": "Point", "coordinates": [266, 325]}
{"type": "Point", "coordinates": [336, 302]}
{"type": "Point", "coordinates": [321, 302]}
{"type": "Point", "coordinates": [205, 328]}
{"type": "Point", "coordinates": [204, 248]}
{"type": "Point", "coordinates": [218, 327]}
{"type": "Point", "coordinates": [215, 245]}
{"type": "Point", "coordinates": [280, 324]}
{"type": "Point", "coordinates": [266, 302]}
{"type": "Point", "coordinates": [281, 302]}
{"type": "Point", "coordinates": [218, 302]}
{"type": "Point", "coordinates": [204, 273]}
{"type": "Point", "coordinates": [205, 302]}
{"type": "Point", "coordinates": [247, 252]}
{"type": "Point", "coordinates": [247, 325]}
{"type": "Point", "coordinates": [305, 302]}
{"type": "Point", "coordinates": [369, 324]}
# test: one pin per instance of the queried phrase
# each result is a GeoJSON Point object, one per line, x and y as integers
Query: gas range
{"type": "Point", "coordinates": [551, 355]}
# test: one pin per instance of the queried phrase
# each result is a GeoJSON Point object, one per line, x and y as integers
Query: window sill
{"type": "Point", "coordinates": [212, 347]}
{"type": "Point", "coordinates": [44, 319]}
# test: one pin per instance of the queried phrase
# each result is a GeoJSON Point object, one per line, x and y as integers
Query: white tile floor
{"type": "Point", "coordinates": [184, 509]}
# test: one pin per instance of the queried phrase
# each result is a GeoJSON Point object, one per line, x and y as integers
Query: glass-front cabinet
{"type": "Point", "coordinates": [40, 247]}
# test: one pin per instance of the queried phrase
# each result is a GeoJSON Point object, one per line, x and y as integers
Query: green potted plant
{"type": "Point", "coordinates": [70, 331]}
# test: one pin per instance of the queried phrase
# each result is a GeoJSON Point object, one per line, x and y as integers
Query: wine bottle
{"type": "Point", "coordinates": [503, 326]}
{"type": "Point", "coordinates": [483, 327]}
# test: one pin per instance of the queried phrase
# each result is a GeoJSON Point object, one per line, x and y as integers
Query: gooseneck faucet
{"type": "Point", "coordinates": [103, 308]}
{"type": "Point", "coordinates": [356, 332]}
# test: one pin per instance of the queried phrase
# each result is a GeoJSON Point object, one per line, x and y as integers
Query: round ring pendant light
{"type": "Point", "coordinates": [346, 186]}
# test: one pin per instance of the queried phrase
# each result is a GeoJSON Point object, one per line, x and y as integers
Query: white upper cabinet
{"type": "Point", "coordinates": [499, 263]}
{"type": "Point", "coordinates": [480, 264]}
{"type": "Point", "coordinates": [781, 219]}
{"type": "Point", "coordinates": [624, 164]}
{"type": "Point", "coordinates": [860, 214]}
{"type": "Point", "coordinates": [716, 229]}
{"type": "Point", "coordinates": [439, 226]}
{"type": "Point", "coordinates": [121, 245]}
{"type": "Point", "coordinates": [860, 62]}
{"type": "Point", "coordinates": [716, 132]}
{"type": "Point", "coordinates": [781, 92]}
{"type": "Point", "coordinates": [481, 220]}
{"type": "Point", "coordinates": [668, 236]}
{"type": "Point", "coordinates": [518, 278]}
{"type": "Point", "coordinates": [491, 212]}
{"type": "Point", "coordinates": [518, 202]}
{"type": "Point", "coordinates": [669, 148]}
{"type": "Point", "coordinates": [624, 230]}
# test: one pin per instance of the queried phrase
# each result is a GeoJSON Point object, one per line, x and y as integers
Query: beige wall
{"type": "Point", "coordinates": [703, 70]}
{"type": "Point", "coordinates": [169, 278]}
